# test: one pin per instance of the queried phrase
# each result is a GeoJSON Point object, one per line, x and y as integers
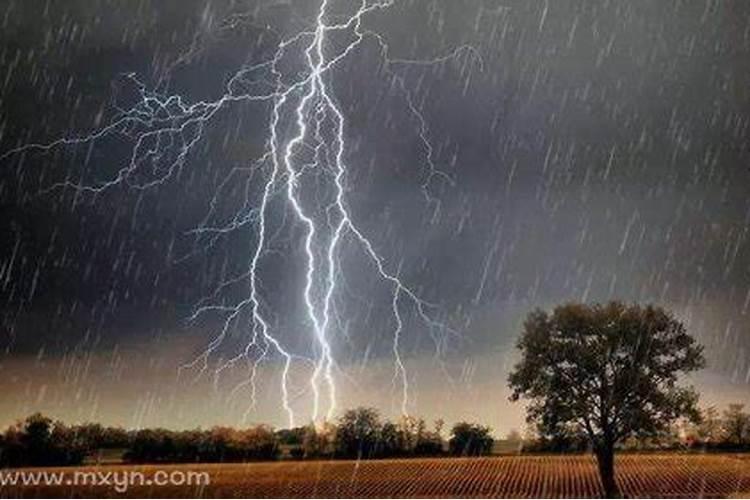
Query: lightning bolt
{"type": "Point", "coordinates": [165, 129]}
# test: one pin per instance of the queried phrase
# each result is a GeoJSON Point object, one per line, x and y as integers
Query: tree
{"type": "Point", "coordinates": [736, 424]}
{"type": "Point", "coordinates": [319, 441]}
{"type": "Point", "coordinates": [411, 438]}
{"type": "Point", "coordinates": [40, 441]}
{"type": "Point", "coordinates": [438, 424]}
{"type": "Point", "coordinates": [36, 438]}
{"type": "Point", "coordinates": [430, 444]}
{"type": "Point", "coordinates": [411, 431]}
{"type": "Point", "coordinates": [256, 443]}
{"type": "Point", "coordinates": [611, 370]}
{"type": "Point", "coordinates": [708, 431]}
{"type": "Point", "coordinates": [391, 441]}
{"type": "Point", "coordinates": [358, 433]}
{"type": "Point", "coordinates": [470, 440]}
{"type": "Point", "coordinates": [291, 437]}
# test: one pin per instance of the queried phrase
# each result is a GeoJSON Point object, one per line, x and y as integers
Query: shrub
{"type": "Point", "coordinates": [470, 440]}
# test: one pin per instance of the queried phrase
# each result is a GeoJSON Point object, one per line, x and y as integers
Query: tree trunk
{"type": "Point", "coordinates": [605, 457]}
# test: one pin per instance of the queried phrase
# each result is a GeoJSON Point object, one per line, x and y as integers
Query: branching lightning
{"type": "Point", "coordinates": [166, 129]}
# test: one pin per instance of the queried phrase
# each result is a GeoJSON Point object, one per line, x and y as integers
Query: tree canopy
{"type": "Point", "coordinates": [610, 371]}
{"type": "Point", "coordinates": [469, 439]}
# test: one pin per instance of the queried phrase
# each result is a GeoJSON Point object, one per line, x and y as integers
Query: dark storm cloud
{"type": "Point", "coordinates": [597, 150]}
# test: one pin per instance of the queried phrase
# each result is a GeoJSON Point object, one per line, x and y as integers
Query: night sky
{"type": "Point", "coordinates": [582, 151]}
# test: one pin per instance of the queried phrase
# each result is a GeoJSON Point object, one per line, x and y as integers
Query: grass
{"type": "Point", "coordinates": [652, 475]}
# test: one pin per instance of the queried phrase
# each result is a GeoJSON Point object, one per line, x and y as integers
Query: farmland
{"type": "Point", "coordinates": [656, 475]}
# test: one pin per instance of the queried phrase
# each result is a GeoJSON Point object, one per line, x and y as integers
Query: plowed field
{"type": "Point", "coordinates": [660, 475]}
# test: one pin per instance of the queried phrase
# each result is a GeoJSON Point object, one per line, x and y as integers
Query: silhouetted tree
{"type": "Point", "coordinates": [358, 433]}
{"type": "Point", "coordinates": [612, 370]}
{"type": "Point", "coordinates": [391, 441]}
{"type": "Point", "coordinates": [319, 441]}
{"type": "Point", "coordinates": [114, 437]}
{"type": "Point", "coordinates": [430, 444]}
{"type": "Point", "coordinates": [90, 435]}
{"type": "Point", "coordinates": [736, 424]}
{"type": "Point", "coordinates": [409, 437]}
{"type": "Point", "coordinates": [36, 438]}
{"type": "Point", "coordinates": [12, 450]}
{"type": "Point", "coordinates": [257, 443]}
{"type": "Point", "coordinates": [40, 441]}
{"type": "Point", "coordinates": [470, 440]}
{"type": "Point", "coordinates": [292, 437]}
{"type": "Point", "coordinates": [149, 445]}
{"type": "Point", "coordinates": [220, 444]}
{"type": "Point", "coordinates": [709, 428]}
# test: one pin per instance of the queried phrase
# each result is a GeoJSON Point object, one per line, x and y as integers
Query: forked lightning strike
{"type": "Point", "coordinates": [166, 129]}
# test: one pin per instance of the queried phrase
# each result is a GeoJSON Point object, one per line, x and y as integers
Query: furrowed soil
{"type": "Point", "coordinates": [647, 475]}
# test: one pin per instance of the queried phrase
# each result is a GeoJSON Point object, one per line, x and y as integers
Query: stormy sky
{"type": "Point", "coordinates": [586, 151]}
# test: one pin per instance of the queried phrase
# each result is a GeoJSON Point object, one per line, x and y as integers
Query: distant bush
{"type": "Point", "coordinates": [469, 439]}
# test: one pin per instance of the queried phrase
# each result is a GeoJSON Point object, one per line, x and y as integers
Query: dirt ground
{"type": "Point", "coordinates": [657, 475]}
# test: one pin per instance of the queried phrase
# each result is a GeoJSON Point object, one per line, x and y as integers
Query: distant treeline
{"type": "Point", "coordinates": [718, 431]}
{"type": "Point", "coordinates": [360, 433]}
